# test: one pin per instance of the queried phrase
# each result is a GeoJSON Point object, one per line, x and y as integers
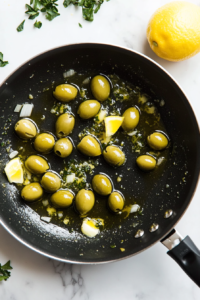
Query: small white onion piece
{"type": "Point", "coordinates": [46, 219]}
{"type": "Point", "coordinates": [69, 73]}
{"type": "Point", "coordinates": [18, 108]}
{"type": "Point", "coordinates": [45, 202]}
{"type": "Point", "coordinates": [89, 228]}
{"type": "Point", "coordinates": [86, 80]}
{"type": "Point", "coordinates": [134, 208]}
{"type": "Point", "coordinates": [132, 133]}
{"type": "Point", "coordinates": [160, 160]}
{"type": "Point", "coordinates": [70, 178]}
{"type": "Point", "coordinates": [60, 214]}
{"type": "Point", "coordinates": [26, 110]}
{"type": "Point", "coordinates": [13, 154]}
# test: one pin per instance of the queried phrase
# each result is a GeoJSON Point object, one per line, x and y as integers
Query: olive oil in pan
{"type": "Point", "coordinates": [133, 183]}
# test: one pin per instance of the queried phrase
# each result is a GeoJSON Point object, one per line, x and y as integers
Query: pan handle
{"type": "Point", "coordinates": [185, 253]}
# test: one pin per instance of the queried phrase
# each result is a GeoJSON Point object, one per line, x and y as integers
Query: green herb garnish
{"type": "Point", "coordinates": [21, 26]}
{"type": "Point", "coordinates": [80, 25]}
{"type": "Point", "coordinates": [89, 7]}
{"type": "Point", "coordinates": [4, 273]}
{"type": "Point", "coordinates": [38, 24]}
{"type": "Point", "coordinates": [33, 13]}
{"type": "Point", "coordinates": [2, 63]}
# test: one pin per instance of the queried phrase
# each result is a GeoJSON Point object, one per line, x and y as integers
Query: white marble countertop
{"type": "Point", "coordinates": [152, 274]}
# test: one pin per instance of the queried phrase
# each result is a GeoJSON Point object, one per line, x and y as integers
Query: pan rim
{"type": "Point", "coordinates": [195, 119]}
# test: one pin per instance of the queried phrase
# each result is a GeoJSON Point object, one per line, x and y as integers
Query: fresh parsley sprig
{"type": "Point", "coordinates": [49, 8]}
{"type": "Point", "coordinates": [4, 271]}
{"type": "Point", "coordinates": [2, 63]}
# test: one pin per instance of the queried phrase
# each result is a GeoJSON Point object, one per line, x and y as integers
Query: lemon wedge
{"type": "Point", "coordinates": [14, 170]}
{"type": "Point", "coordinates": [112, 124]}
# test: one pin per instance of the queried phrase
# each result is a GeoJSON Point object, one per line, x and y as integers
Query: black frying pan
{"type": "Point", "coordinates": [164, 209]}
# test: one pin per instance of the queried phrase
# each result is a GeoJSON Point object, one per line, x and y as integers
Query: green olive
{"type": "Point", "coordinates": [89, 146]}
{"type": "Point", "coordinates": [62, 198]}
{"type": "Point", "coordinates": [114, 155]}
{"type": "Point", "coordinates": [25, 129]}
{"type": "Point", "coordinates": [88, 109]}
{"type": "Point", "coordinates": [36, 164]}
{"type": "Point", "coordinates": [131, 119]}
{"type": "Point", "coordinates": [116, 202]}
{"type": "Point", "coordinates": [64, 125]}
{"type": "Point", "coordinates": [157, 141]}
{"type": "Point", "coordinates": [100, 88]}
{"type": "Point", "coordinates": [84, 201]}
{"type": "Point", "coordinates": [32, 192]}
{"type": "Point", "coordinates": [63, 147]}
{"type": "Point", "coordinates": [65, 92]}
{"type": "Point", "coordinates": [44, 142]}
{"type": "Point", "coordinates": [50, 182]}
{"type": "Point", "coordinates": [146, 162]}
{"type": "Point", "coordinates": [102, 184]}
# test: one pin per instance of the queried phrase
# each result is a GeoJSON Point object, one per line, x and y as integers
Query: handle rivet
{"type": "Point", "coordinates": [168, 213]}
{"type": "Point", "coordinates": [154, 227]}
{"type": "Point", "coordinates": [139, 233]}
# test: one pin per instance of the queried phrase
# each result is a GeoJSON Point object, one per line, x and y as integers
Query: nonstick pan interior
{"type": "Point", "coordinates": [174, 189]}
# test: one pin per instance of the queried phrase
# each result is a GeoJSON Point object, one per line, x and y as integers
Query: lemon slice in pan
{"type": "Point", "coordinates": [112, 124]}
{"type": "Point", "coordinates": [14, 170]}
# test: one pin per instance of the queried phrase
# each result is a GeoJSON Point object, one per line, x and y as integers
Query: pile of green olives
{"type": "Point", "coordinates": [156, 141]}
{"type": "Point", "coordinates": [48, 181]}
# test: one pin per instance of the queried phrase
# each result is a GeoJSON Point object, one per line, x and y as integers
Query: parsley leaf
{"type": "Point", "coordinates": [2, 63]}
{"type": "Point", "coordinates": [4, 273]}
{"type": "Point", "coordinates": [31, 12]}
{"type": "Point", "coordinates": [80, 25]}
{"type": "Point", "coordinates": [36, 4]}
{"type": "Point", "coordinates": [21, 26]}
{"type": "Point", "coordinates": [52, 13]}
{"type": "Point", "coordinates": [88, 14]}
{"type": "Point", "coordinates": [38, 24]}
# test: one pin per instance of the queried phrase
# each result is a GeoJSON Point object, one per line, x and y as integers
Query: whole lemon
{"type": "Point", "coordinates": [173, 31]}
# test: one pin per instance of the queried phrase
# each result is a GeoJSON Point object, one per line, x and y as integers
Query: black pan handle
{"type": "Point", "coordinates": [185, 253]}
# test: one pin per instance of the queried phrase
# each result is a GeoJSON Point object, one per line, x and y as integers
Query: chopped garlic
{"type": "Point", "coordinates": [18, 108]}
{"type": "Point", "coordinates": [101, 115]}
{"type": "Point", "coordinates": [26, 110]}
{"type": "Point", "coordinates": [45, 202]}
{"type": "Point", "coordinates": [51, 211]}
{"type": "Point", "coordinates": [86, 80]}
{"type": "Point", "coordinates": [60, 214]}
{"type": "Point", "coordinates": [70, 178]}
{"type": "Point", "coordinates": [46, 219]}
{"type": "Point", "coordinates": [13, 154]}
{"type": "Point", "coordinates": [66, 221]}
{"type": "Point", "coordinates": [69, 73]}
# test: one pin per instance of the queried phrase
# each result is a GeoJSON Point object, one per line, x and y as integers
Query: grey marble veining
{"type": "Point", "coordinates": [151, 275]}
